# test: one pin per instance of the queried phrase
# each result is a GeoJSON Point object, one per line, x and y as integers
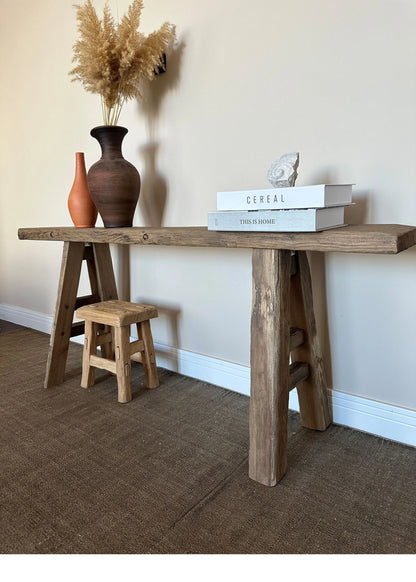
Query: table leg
{"type": "Point", "coordinates": [270, 335]}
{"type": "Point", "coordinates": [314, 407]}
{"type": "Point", "coordinates": [107, 288]}
{"type": "Point", "coordinates": [72, 257]}
{"type": "Point", "coordinates": [103, 287]}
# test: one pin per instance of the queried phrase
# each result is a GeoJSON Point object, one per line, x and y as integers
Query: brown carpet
{"type": "Point", "coordinates": [167, 473]}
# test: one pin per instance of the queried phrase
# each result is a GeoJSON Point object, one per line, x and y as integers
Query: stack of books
{"type": "Point", "coordinates": [296, 209]}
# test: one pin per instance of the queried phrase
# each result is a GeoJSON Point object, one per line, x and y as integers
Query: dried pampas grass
{"type": "Point", "coordinates": [113, 59]}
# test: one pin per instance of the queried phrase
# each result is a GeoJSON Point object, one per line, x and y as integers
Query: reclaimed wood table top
{"type": "Point", "coordinates": [368, 238]}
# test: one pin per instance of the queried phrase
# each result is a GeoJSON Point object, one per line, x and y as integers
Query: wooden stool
{"type": "Point", "coordinates": [116, 346]}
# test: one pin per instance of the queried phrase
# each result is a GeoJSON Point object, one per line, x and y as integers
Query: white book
{"type": "Point", "coordinates": [315, 196]}
{"type": "Point", "coordinates": [295, 220]}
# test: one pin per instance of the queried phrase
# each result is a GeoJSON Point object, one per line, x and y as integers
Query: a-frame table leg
{"type": "Point", "coordinates": [314, 407]}
{"type": "Point", "coordinates": [282, 322]}
{"type": "Point", "coordinates": [103, 287]}
{"type": "Point", "coordinates": [270, 335]}
{"type": "Point", "coordinates": [72, 256]}
{"type": "Point", "coordinates": [107, 288]}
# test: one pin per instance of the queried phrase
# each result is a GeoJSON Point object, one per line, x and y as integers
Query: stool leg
{"type": "Point", "coordinates": [148, 355]}
{"type": "Point", "coordinates": [90, 349]}
{"type": "Point", "coordinates": [107, 350]}
{"type": "Point", "coordinates": [123, 363]}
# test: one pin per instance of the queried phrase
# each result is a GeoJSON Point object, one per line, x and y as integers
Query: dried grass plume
{"type": "Point", "coordinates": [113, 59]}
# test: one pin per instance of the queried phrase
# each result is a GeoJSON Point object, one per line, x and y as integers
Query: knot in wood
{"type": "Point", "coordinates": [263, 301]}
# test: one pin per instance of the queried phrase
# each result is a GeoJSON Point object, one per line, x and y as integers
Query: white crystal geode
{"type": "Point", "coordinates": [283, 171]}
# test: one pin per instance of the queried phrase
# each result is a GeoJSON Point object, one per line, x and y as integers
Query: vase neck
{"type": "Point", "coordinates": [110, 138]}
{"type": "Point", "coordinates": [80, 163]}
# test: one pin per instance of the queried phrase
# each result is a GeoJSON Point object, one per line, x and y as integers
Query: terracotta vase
{"type": "Point", "coordinates": [81, 208]}
{"type": "Point", "coordinates": [114, 182]}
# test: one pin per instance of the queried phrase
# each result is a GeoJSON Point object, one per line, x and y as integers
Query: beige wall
{"type": "Point", "coordinates": [335, 80]}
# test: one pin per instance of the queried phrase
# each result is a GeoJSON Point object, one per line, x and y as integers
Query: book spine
{"type": "Point", "coordinates": [297, 220]}
{"type": "Point", "coordinates": [297, 197]}
{"type": "Point", "coordinates": [263, 221]}
{"type": "Point", "coordinates": [275, 198]}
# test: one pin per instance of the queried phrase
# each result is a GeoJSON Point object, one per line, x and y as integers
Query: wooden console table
{"type": "Point", "coordinates": [282, 320]}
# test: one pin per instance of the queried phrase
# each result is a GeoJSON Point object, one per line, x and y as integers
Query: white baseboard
{"type": "Point", "coordinates": [378, 418]}
{"type": "Point", "coordinates": [26, 318]}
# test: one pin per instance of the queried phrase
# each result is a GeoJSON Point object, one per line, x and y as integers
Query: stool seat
{"type": "Point", "coordinates": [115, 344]}
{"type": "Point", "coordinates": [117, 313]}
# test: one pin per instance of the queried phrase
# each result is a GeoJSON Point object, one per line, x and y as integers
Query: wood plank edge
{"type": "Point", "coordinates": [377, 239]}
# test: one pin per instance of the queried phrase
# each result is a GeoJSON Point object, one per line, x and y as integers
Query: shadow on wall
{"type": "Point", "coordinates": [154, 189]}
{"type": "Point", "coordinates": [354, 214]}
{"type": "Point", "coordinates": [170, 315]}
{"type": "Point", "coordinates": [358, 212]}
{"type": "Point", "coordinates": [153, 195]}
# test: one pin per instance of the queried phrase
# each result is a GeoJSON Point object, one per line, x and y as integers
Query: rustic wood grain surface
{"type": "Point", "coordinates": [369, 238]}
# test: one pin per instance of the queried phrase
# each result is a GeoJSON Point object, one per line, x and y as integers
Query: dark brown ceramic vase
{"type": "Point", "coordinates": [114, 182]}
